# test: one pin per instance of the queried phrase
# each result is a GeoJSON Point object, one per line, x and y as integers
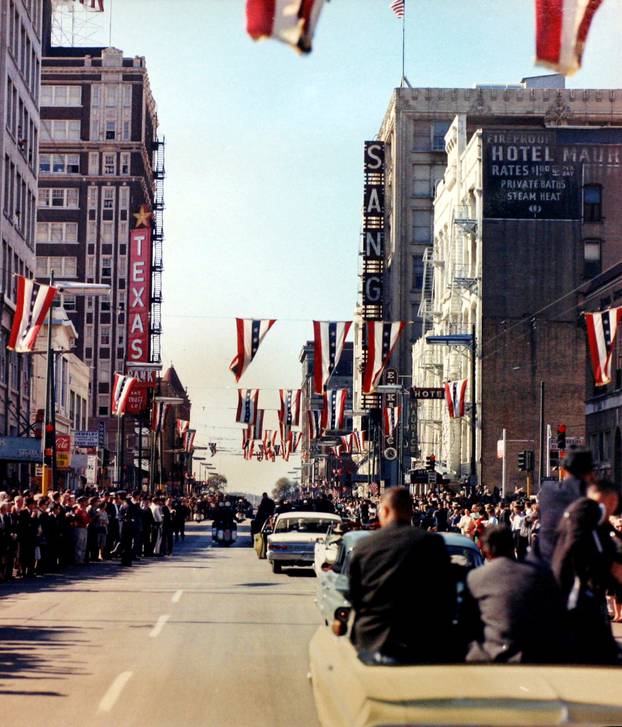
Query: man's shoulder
{"type": "Point", "coordinates": [402, 535]}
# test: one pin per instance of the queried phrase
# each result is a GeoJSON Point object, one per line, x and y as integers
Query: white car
{"type": "Point", "coordinates": [293, 540]}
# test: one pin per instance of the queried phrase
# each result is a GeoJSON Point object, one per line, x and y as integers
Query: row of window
{"type": "Point", "coordinates": [60, 130]}
{"type": "Point", "coordinates": [66, 267]}
{"type": "Point", "coordinates": [70, 164]}
{"type": "Point", "coordinates": [20, 46]}
{"type": "Point", "coordinates": [61, 95]}
{"type": "Point", "coordinates": [77, 411]}
{"type": "Point", "coordinates": [21, 126]}
{"type": "Point", "coordinates": [19, 202]}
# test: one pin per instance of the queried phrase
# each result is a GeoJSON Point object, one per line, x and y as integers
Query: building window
{"type": "Point", "coordinates": [63, 232]}
{"type": "Point", "coordinates": [109, 164]}
{"type": "Point", "coordinates": [111, 94]}
{"type": "Point", "coordinates": [69, 302]}
{"type": "Point", "coordinates": [58, 197]}
{"type": "Point", "coordinates": [422, 227]}
{"type": "Point", "coordinates": [62, 266]}
{"type": "Point", "coordinates": [61, 95]}
{"type": "Point", "coordinates": [417, 283]}
{"type": "Point", "coordinates": [592, 203]}
{"type": "Point", "coordinates": [111, 130]}
{"type": "Point", "coordinates": [60, 129]}
{"type": "Point", "coordinates": [59, 163]}
{"type": "Point", "coordinates": [439, 129]}
{"type": "Point", "coordinates": [592, 263]}
{"type": "Point", "coordinates": [107, 231]}
{"type": "Point", "coordinates": [108, 195]}
{"type": "Point", "coordinates": [106, 267]}
{"type": "Point", "coordinates": [125, 163]}
{"type": "Point", "coordinates": [104, 336]}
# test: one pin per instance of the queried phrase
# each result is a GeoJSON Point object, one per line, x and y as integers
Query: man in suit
{"type": "Point", "coordinates": [401, 589]}
{"type": "Point", "coordinates": [556, 497]}
{"type": "Point", "coordinates": [517, 609]}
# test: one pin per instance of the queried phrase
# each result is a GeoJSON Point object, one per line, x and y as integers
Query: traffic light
{"type": "Point", "coordinates": [48, 448]}
{"type": "Point", "coordinates": [430, 463]}
{"type": "Point", "coordinates": [526, 460]}
{"type": "Point", "coordinates": [561, 437]}
{"type": "Point", "coordinates": [522, 461]}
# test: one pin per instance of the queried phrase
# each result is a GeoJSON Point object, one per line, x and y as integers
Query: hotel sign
{"type": "Point", "coordinates": [530, 175]}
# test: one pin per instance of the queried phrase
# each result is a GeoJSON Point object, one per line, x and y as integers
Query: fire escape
{"type": "Point", "coordinates": [158, 239]}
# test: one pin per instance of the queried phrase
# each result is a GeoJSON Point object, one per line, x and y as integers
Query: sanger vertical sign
{"type": "Point", "coordinates": [139, 305]}
{"type": "Point", "coordinates": [372, 274]}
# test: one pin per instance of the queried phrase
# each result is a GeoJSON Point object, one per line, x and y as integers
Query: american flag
{"type": "Point", "coordinates": [329, 338]}
{"type": "Point", "coordinates": [248, 400]}
{"type": "Point", "coordinates": [334, 409]}
{"type": "Point", "coordinates": [182, 427]}
{"type": "Point", "coordinates": [250, 334]}
{"type": "Point", "coordinates": [30, 312]}
{"type": "Point", "coordinates": [121, 390]}
{"type": "Point", "coordinates": [561, 32]}
{"type": "Point", "coordinates": [290, 21]}
{"type": "Point", "coordinates": [314, 420]}
{"type": "Point", "coordinates": [382, 337]}
{"type": "Point", "coordinates": [94, 4]}
{"type": "Point", "coordinates": [455, 395]}
{"type": "Point", "coordinates": [289, 413]}
{"type": "Point", "coordinates": [602, 328]}
{"type": "Point", "coordinates": [398, 7]}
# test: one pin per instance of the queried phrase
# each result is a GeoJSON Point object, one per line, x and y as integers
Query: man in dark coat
{"type": "Point", "coordinates": [401, 589]}
{"type": "Point", "coordinates": [556, 497]}
{"type": "Point", "coordinates": [585, 563]}
{"type": "Point", "coordinates": [127, 529]}
{"type": "Point", "coordinates": [518, 609]}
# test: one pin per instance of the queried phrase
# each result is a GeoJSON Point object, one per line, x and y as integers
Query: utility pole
{"type": "Point", "coordinates": [473, 477]}
{"type": "Point", "coordinates": [541, 466]}
{"type": "Point", "coordinates": [504, 464]}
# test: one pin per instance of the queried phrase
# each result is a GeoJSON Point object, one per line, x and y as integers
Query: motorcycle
{"type": "Point", "coordinates": [224, 533]}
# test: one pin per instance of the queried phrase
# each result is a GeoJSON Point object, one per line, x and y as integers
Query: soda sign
{"type": "Point", "coordinates": [63, 451]}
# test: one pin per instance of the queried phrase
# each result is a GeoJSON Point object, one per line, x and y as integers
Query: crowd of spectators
{"type": "Point", "coordinates": [42, 534]}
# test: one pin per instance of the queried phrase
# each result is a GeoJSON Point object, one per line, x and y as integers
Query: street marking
{"type": "Point", "coordinates": [176, 597]}
{"type": "Point", "coordinates": [114, 691]}
{"type": "Point", "coordinates": [157, 629]}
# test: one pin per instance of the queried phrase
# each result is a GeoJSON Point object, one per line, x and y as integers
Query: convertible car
{"type": "Point", "coordinates": [293, 539]}
{"type": "Point", "coordinates": [332, 584]}
{"type": "Point", "coordinates": [349, 693]}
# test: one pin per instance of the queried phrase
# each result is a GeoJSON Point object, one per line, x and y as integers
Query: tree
{"type": "Point", "coordinates": [283, 489]}
{"type": "Point", "coordinates": [217, 481]}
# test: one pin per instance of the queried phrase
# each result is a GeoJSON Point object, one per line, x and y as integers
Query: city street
{"type": "Point", "coordinates": [207, 637]}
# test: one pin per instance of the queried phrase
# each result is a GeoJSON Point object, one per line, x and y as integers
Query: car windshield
{"type": "Point", "coordinates": [467, 557]}
{"type": "Point", "coordinates": [300, 525]}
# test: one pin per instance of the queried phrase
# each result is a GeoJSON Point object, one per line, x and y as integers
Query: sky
{"type": "Point", "coordinates": [264, 177]}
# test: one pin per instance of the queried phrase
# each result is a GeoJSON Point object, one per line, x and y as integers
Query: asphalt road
{"type": "Point", "coordinates": [208, 637]}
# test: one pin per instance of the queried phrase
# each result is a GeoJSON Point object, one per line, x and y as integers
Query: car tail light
{"type": "Point", "coordinates": [277, 546]}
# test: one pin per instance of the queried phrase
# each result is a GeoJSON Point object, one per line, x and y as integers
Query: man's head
{"type": "Point", "coordinates": [496, 542]}
{"type": "Point", "coordinates": [606, 493]}
{"type": "Point", "coordinates": [395, 507]}
{"type": "Point", "coordinates": [580, 464]}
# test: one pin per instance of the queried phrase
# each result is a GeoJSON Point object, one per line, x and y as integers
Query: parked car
{"type": "Point", "coordinates": [333, 578]}
{"type": "Point", "coordinates": [293, 539]}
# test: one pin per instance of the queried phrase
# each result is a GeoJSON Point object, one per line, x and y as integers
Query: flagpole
{"type": "Point", "coordinates": [403, 47]}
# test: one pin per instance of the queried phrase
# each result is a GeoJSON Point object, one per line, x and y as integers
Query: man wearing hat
{"type": "Point", "coordinates": [556, 497]}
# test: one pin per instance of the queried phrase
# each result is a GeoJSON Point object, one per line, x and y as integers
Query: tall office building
{"type": "Point", "coordinates": [101, 167]}
{"type": "Point", "coordinates": [20, 65]}
{"type": "Point", "coordinates": [414, 129]}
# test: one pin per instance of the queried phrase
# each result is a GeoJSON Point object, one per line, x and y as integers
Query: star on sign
{"type": "Point", "coordinates": [143, 216]}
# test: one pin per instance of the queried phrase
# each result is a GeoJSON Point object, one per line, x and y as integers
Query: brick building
{"type": "Point", "coordinates": [100, 160]}
{"type": "Point", "coordinates": [522, 219]}
{"type": "Point", "coordinates": [20, 64]}
{"type": "Point", "coordinates": [413, 129]}
{"type": "Point", "coordinates": [174, 464]}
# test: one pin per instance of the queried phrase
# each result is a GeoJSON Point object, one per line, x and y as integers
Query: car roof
{"type": "Point", "coordinates": [311, 515]}
{"type": "Point", "coordinates": [459, 540]}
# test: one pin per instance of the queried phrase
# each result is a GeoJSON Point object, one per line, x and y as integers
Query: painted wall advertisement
{"type": "Point", "coordinates": [531, 175]}
{"type": "Point", "coordinates": [138, 311]}
{"type": "Point", "coordinates": [63, 451]}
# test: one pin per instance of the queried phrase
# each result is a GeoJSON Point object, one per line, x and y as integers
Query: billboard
{"type": "Point", "coordinates": [63, 451]}
{"type": "Point", "coordinates": [530, 175]}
